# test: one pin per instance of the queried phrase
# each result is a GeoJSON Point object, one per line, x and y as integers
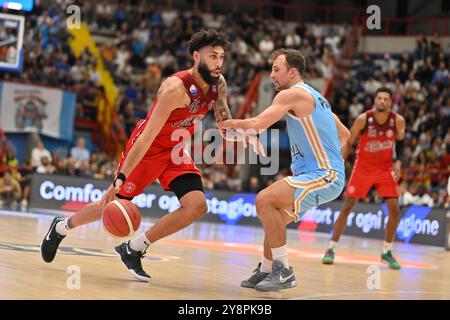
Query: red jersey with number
{"type": "Point", "coordinates": [376, 144]}
{"type": "Point", "coordinates": [184, 117]}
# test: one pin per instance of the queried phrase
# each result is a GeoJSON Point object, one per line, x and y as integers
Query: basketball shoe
{"type": "Point", "coordinates": [51, 241]}
{"type": "Point", "coordinates": [328, 258]}
{"type": "Point", "coordinates": [132, 260]}
{"type": "Point", "coordinates": [255, 278]}
{"type": "Point", "coordinates": [280, 278]}
{"type": "Point", "coordinates": [389, 259]}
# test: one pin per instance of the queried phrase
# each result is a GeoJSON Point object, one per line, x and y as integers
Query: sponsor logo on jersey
{"type": "Point", "coordinates": [193, 90]}
{"type": "Point", "coordinates": [129, 187]}
{"type": "Point", "coordinates": [372, 132]}
{"type": "Point", "coordinates": [375, 146]}
{"type": "Point", "coordinates": [214, 88]}
{"type": "Point", "coordinates": [194, 106]}
{"type": "Point", "coordinates": [389, 133]}
{"type": "Point", "coordinates": [391, 122]}
{"type": "Point", "coordinates": [188, 122]}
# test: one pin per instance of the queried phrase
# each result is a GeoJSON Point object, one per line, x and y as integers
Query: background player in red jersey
{"type": "Point", "coordinates": [377, 130]}
{"type": "Point", "coordinates": [183, 99]}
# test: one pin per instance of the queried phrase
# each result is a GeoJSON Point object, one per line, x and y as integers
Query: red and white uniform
{"type": "Point", "coordinates": [374, 164]}
{"type": "Point", "coordinates": [157, 162]}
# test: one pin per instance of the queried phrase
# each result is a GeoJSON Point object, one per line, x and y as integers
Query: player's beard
{"type": "Point", "coordinates": [206, 74]}
{"type": "Point", "coordinates": [382, 109]}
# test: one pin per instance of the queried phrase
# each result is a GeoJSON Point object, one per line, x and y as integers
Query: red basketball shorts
{"type": "Point", "coordinates": [158, 164]}
{"type": "Point", "coordinates": [361, 182]}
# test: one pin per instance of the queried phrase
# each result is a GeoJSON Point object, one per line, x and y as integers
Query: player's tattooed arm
{"type": "Point", "coordinates": [222, 112]}
{"type": "Point", "coordinates": [221, 109]}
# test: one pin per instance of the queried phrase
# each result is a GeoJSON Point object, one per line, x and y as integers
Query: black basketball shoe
{"type": "Point", "coordinates": [132, 260]}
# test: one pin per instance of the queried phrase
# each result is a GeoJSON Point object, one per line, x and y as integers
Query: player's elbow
{"type": "Point", "coordinates": [345, 136]}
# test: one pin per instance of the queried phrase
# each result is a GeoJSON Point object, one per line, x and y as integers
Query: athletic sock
{"type": "Point", "coordinates": [266, 265]}
{"type": "Point", "coordinates": [332, 244]}
{"type": "Point", "coordinates": [281, 255]}
{"type": "Point", "coordinates": [387, 247]}
{"type": "Point", "coordinates": [140, 243]}
{"type": "Point", "coordinates": [62, 227]}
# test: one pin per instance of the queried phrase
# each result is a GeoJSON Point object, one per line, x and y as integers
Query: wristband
{"type": "Point", "coordinates": [120, 176]}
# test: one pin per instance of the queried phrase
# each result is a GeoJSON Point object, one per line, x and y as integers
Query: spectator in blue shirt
{"type": "Point", "coordinates": [79, 153]}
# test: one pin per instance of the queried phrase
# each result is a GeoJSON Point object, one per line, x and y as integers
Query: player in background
{"type": "Point", "coordinates": [379, 131]}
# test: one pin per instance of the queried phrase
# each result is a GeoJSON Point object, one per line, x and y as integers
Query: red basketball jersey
{"type": "Point", "coordinates": [376, 144]}
{"type": "Point", "coordinates": [183, 117]}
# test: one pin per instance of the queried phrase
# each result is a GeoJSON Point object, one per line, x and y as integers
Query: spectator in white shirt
{"type": "Point", "coordinates": [38, 153]}
{"type": "Point", "coordinates": [412, 83]}
{"type": "Point", "coordinates": [266, 46]}
{"type": "Point", "coordinates": [292, 40]}
{"type": "Point", "coordinates": [355, 108]}
{"type": "Point", "coordinates": [406, 197]}
{"type": "Point", "coordinates": [371, 85]}
{"type": "Point", "coordinates": [45, 167]}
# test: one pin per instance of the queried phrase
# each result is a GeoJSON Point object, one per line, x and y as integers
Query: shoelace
{"type": "Point", "coordinates": [274, 274]}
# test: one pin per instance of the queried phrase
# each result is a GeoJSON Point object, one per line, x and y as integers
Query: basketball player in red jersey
{"type": "Point", "coordinates": [182, 100]}
{"type": "Point", "coordinates": [377, 130]}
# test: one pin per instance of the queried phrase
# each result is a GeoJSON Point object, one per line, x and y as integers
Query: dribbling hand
{"type": "Point", "coordinates": [111, 192]}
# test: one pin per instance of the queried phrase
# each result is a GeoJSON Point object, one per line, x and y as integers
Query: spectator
{"type": "Point", "coordinates": [26, 172]}
{"type": "Point", "coordinates": [10, 191]}
{"type": "Point", "coordinates": [266, 46]}
{"type": "Point", "coordinates": [292, 39]}
{"type": "Point", "coordinates": [46, 166]}
{"type": "Point", "coordinates": [253, 185]}
{"type": "Point", "coordinates": [80, 153]}
{"type": "Point", "coordinates": [38, 153]}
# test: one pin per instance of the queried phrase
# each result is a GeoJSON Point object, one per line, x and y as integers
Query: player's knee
{"type": "Point", "coordinates": [262, 201]}
{"type": "Point", "coordinates": [198, 210]}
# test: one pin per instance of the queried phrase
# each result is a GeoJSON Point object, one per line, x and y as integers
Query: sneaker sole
{"type": "Point", "coordinates": [389, 266]}
{"type": "Point", "coordinates": [246, 284]}
{"type": "Point", "coordinates": [277, 288]}
{"type": "Point", "coordinates": [131, 271]}
{"type": "Point", "coordinates": [327, 262]}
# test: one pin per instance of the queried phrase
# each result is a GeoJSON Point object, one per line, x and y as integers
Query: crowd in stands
{"type": "Point", "coordinates": [141, 45]}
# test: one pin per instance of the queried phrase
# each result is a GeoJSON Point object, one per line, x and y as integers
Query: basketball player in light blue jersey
{"type": "Point", "coordinates": [316, 138]}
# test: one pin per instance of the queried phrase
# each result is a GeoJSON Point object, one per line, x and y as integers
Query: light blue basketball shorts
{"type": "Point", "coordinates": [314, 188]}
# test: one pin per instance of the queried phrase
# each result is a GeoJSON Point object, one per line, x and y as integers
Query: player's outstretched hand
{"type": "Point", "coordinates": [256, 143]}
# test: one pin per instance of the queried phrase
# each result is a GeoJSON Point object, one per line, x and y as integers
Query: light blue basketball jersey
{"type": "Point", "coordinates": [314, 139]}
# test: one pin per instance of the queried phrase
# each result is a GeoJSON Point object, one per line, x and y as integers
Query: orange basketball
{"type": "Point", "coordinates": [121, 218]}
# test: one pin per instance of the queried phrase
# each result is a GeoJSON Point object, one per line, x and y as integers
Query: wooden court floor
{"type": "Point", "coordinates": [208, 261]}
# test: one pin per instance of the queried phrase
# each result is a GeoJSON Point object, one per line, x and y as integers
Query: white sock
{"type": "Point", "coordinates": [140, 243]}
{"type": "Point", "coordinates": [387, 246]}
{"type": "Point", "coordinates": [266, 265]}
{"type": "Point", "coordinates": [281, 255]}
{"type": "Point", "coordinates": [332, 244]}
{"type": "Point", "coordinates": [62, 228]}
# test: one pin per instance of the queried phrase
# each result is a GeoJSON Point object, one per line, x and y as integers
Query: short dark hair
{"type": "Point", "coordinates": [294, 58]}
{"type": "Point", "coordinates": [384, 89]}
{"type": "Point", "coordinates": [208, 37]}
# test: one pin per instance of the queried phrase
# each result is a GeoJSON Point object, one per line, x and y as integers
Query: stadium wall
{"type": "Point", "coordinates": [394, 44]}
